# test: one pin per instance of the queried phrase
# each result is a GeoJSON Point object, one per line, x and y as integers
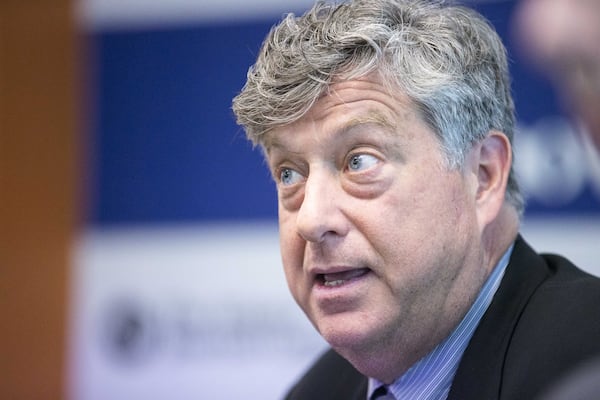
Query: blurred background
{"type": "Point", "coordinates": [139, 238]}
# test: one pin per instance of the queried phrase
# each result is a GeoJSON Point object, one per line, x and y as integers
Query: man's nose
{"type": "Point", "coordinates": [320, 213]}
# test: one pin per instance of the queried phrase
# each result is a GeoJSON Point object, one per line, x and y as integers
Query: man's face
{"type": "Point", "coordinates": [379, 241]}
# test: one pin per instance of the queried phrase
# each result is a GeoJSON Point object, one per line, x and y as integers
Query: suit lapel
{"type": "Point", "coordinates": [331, 378]}
{"type": "Point", "coordinates": [350, 384]}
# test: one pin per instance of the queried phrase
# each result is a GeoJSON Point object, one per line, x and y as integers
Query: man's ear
{"type": "Point", "coordinates": [493, 161]}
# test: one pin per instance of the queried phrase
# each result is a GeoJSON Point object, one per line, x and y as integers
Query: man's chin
{"type": "Point", "coordinates": [346, 337]}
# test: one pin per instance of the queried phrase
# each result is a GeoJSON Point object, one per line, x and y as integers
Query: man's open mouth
{"type": "Point", "coordinates": [339, 278]}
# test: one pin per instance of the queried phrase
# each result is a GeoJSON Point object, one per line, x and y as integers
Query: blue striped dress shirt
{"type": "Point", "coordinates": [431, 377]}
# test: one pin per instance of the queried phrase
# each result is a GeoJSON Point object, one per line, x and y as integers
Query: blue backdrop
{"type": "Point", "coordinates": [166, 145]}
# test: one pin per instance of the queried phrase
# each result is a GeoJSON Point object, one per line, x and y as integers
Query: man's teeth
{"type": "Point", "coordinates": [339, 278]}
{"type": "Point", "coordinates": [334, 283]}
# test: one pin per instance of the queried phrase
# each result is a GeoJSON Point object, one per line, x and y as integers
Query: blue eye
{"type": "Point", "coordinates": [288, 176]}
{"type": "Point", "coordinates": [359, 162]}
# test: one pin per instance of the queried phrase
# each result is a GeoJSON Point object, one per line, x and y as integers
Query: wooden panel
{"type": "Point", "coordinates": [38, 175]}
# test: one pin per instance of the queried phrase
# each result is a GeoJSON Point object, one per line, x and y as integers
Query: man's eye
{"type": "Point", "coordinates": [359, 162]}
{"type": "Point", "coordinates": [288, 176]}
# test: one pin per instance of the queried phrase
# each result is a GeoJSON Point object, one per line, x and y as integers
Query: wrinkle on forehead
{"type": "Point", "coordinates": [393, 109]}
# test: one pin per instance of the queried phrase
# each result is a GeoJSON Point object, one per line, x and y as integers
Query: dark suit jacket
{"type": "Point", "coordinates": [543, 321]}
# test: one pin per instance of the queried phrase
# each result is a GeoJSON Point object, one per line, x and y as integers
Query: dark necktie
{"type": "Point", "coordinates": [381, 393]}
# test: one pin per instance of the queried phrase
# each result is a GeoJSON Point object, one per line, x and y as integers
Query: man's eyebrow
{"type": "Point", "coordinates": [371, 118]}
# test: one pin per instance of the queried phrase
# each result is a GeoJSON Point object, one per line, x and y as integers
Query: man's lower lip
{"type": "Point", "coordinates": [338, 296]}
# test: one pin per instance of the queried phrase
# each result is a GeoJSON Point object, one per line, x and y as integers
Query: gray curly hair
{"type": "Point", "coordinates": [447, 59]}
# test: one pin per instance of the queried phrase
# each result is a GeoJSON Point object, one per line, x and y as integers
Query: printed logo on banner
{"type": "Point", "coordinates": [128, 331]}
{"type": "Point", "coordinates": [135, 332]}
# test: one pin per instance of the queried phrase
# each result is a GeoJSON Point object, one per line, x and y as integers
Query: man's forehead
{"type": "Point", "coordinates": [280, 138]}
{"type": "Point", "coordinates": [349, 103]}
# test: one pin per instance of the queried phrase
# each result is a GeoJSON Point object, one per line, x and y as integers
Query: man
{"type": "Point", "coordinates": [387, 126]}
